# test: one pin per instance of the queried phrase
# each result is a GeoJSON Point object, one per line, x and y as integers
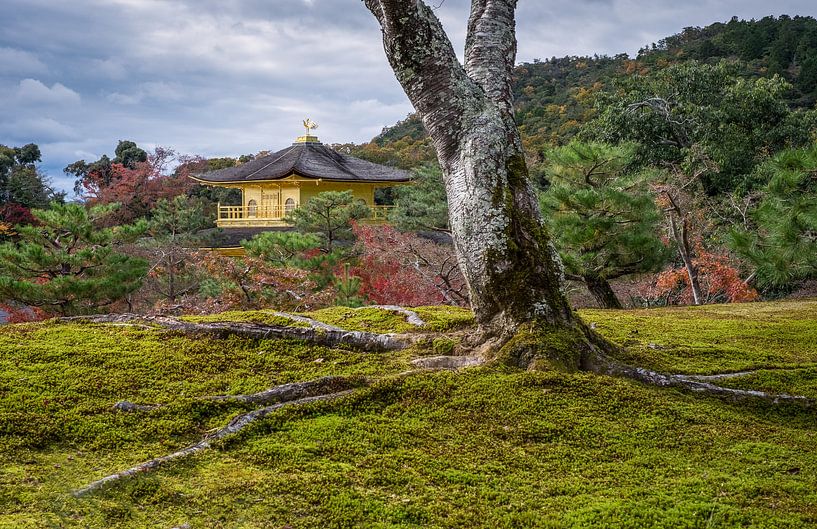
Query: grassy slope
{"type": "Point", "coordinates": [487, 447]}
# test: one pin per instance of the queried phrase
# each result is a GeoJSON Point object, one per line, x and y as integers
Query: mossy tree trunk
{"type": "Point", "coordinates": [513, 273]}
{"type": "Point", "coordinates": [602, 292]}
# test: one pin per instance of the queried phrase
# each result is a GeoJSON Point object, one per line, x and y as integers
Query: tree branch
{"type": "Point", "coordinates": [490, 48]}
{"type": "Point", "coordinates": [425, 64]}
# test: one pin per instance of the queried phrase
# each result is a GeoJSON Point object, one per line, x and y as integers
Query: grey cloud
{"type": "Point", "coordinates": [47, 130]}
{"type": "Point", "coordinates": [229, 77]}
{"type": "Point", "coordinates": [20, 61]}
{"type": "Point", "coordinates": [34, 91]}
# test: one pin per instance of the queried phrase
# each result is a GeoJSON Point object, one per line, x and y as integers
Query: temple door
{"type": "Point", "coordinates": [271, 204]}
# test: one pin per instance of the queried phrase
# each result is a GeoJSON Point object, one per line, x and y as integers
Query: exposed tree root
{"type": "Point", "coordinates": [721, 376]}
{"type": "Point", "coordinates": [331, 337]}
{"type": "Point", "coordinates": [737, 374]}
{"type": "Point", "coordinates": [448, 362]}
{"type": "Point", "coordinates": [531, 347]}
{"type": "Point", "coordinates": [315, 324]}
{"type": "Point", "coordinates": [235, 426]}
{"type": "Point", "coordinates": [581, 348]}
{"type": "Point", "coordinates": [603, 364]}
{"type": "Point", "coordinates": [412, 318]}
{"type": "Point", "coordinates": [295, 391]}
{"type": "Point", "coordinates": [283, 393]}
{"type": "Point", "coordinates": [293, 394]}
{"type": "Point", "coordinates": [126, 406]}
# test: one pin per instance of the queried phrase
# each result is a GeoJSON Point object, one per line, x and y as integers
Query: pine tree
{"type": "Point", "coordinates": [67, 263]}
{"type": "Point", "coordinates": [422, 205]}
{"type": "Point", "coordinates": [330, 215]}
{"type": "Point", "coordinates": [174, 236]}
{"type": "Point", "coordinates": [783, 249]}
{"type": "Point", "coordinates": [602, 216]}
{"type": "Point", "coordinates": [282, 248]}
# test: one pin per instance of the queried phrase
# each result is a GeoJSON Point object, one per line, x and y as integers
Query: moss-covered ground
{"type": "Point", "coordinates": [485, 447]}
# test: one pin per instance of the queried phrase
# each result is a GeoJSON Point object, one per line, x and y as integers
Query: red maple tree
{"type": "Point", "coordinates": [405, 269]}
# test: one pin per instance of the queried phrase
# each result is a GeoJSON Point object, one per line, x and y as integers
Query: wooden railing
{"type": "Point", "coordinates": [258, 215]}
{"type": "Point", "coordinates": [253, 212]}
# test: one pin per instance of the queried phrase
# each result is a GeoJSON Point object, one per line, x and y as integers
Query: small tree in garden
{"type": "Point", "coordinates": [285, 270]}
{"type": "Point", "coordinates": [330, 215]}
{"type": "Point", "coordinates": [67, 263]}
{"type": "Point", "coordinates": [783, 248]}
{"type": "Point", "coordinates": [249, 283]}
{"type": "Point", "coordinates": [719, 282]}
{"type": "Point", "coordinates": [287, 248]}
{"type": "Point", "coordinates": [14, 214]}
{"type": "Point", "coordinates": [602, 215]}
{"type": "Point", "coordinates": [422, 205]}
{"type": "Point", "coordinates": [295, 250]}
{"type": "Point", "coordinates": [348, 289]}
{"type": "Point", "coordinates": [173, 231]}
{"type": "Point", "coordinates": [404, 269]}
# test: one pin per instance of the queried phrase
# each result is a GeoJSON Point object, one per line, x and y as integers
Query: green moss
{"type": "Point", "coordinates": [443, 346]}
{"type": "Point", "coordinates": [249, 316]}
{"type": "Point", "coordinates": [484, 447]}
{"type": "Point", "coordinates": [445, 317]}
{"type": "Point", "coordinates": [438, 318]}
{"type": "Point", "coordinates": [543, 347]}
{"type": "Point", "coordinates": [363, 319]}
{"type": "Point", "coordinates": [794, 381]}
{"type": "Point", "coordinates": [713, 338]}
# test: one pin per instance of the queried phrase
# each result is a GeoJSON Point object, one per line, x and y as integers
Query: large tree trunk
{"type": "Point", "coordinates": [603, 293]}
{"type": "Point", "coordinates": [513, 273]}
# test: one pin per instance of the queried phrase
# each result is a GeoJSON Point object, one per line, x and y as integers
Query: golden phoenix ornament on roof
{"type": "Point", "coordinates": [309, 125]}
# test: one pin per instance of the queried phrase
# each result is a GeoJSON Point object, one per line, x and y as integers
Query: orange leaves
{"type": "Point", "coordinates": [17, 314]}
{"type": "Point", "coordinates": [720, 282]}
{"type": "Point", "coordinates": [137, 189]}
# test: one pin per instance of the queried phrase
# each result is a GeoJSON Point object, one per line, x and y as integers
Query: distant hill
{"type": "Point", "coordinates": [553, 96]}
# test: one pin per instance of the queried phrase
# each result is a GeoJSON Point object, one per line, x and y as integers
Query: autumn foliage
{"type": "Point", "coordinates": [15, 214]}
{"type": "Point", "coordinates": [720, 282]}
{"type": "Point", "coordinates": [252, 282]}
{"type": "Point", "coordinates": [137, 189]}
{"type": "Point", "coordinates": [405, 269]}
{"type": "Point", "coordinates": [22, 314]}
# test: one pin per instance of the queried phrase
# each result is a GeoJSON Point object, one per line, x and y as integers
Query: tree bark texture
{"type": "Point", "coordinates": [513, 273]}
{"type": "Point", "coordinates": [602, 292]}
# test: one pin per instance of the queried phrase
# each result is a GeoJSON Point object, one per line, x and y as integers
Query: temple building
{"type": "Point", "coordinates": [276, 184]}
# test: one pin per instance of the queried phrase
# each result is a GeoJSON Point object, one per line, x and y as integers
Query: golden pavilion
{"type": "Point", "coordinates": [275, 184]}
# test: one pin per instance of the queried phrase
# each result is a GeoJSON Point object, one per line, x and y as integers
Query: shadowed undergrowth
{"type": "Point", "coordinates": [485, 447]}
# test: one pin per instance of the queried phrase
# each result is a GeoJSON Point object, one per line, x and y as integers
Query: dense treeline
{"type": "Point", "coordinates": [554, 97]}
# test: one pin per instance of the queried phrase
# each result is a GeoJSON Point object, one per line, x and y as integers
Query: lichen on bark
{"type": "Point", "coordinates": [513, 273]}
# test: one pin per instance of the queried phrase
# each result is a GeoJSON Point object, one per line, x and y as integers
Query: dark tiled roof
{"type": "Point", "coordinates": [309, 160]}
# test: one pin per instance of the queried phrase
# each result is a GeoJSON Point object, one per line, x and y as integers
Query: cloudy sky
{"type": "Point", "coordinates": [229, 77]}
